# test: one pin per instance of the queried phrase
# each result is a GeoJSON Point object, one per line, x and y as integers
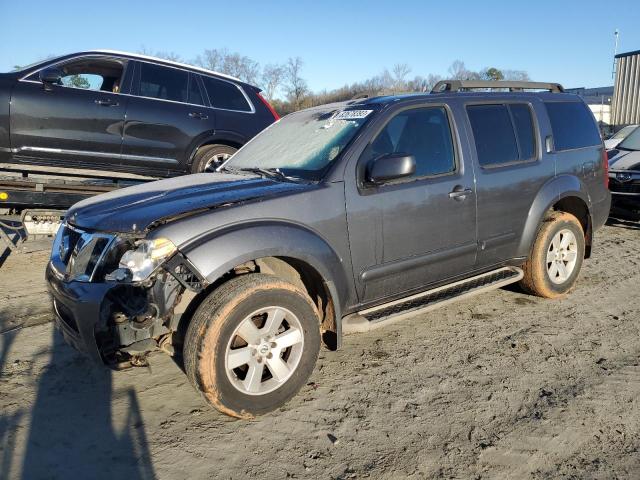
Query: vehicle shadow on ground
{"type": "Point", "coordinates": [72, 432]}
{"type": "Point", "coordinates": [8, 422]}
{"type": "Point", "coordinates": [623, 223]}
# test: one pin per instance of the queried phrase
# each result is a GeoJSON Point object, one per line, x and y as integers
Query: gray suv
{"type": "Point", "coordinates": [335, 219]}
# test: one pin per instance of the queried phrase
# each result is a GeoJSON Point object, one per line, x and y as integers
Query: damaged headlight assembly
{"type": "Point", "coordinates": [138, 264]}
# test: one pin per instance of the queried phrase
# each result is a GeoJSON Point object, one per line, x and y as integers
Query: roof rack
{"type": "Point", "coordinates": [513, 86]}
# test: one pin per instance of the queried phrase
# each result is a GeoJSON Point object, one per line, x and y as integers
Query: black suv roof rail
{"type": "Point", "coordinates": [513, 86]}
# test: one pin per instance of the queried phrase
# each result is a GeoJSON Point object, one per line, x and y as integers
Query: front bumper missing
{"type": "Point", "coordinates": [77, 307]}
{"type": "Point", "coordinates": [106, 319]}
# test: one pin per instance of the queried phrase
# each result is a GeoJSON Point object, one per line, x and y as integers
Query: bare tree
{"type": "Point", "coordinates": [211, 59]}
{"type": "Point", "coordinates": [241, 67]}
{"type": "Point", "coordinates": [458, 71]}
{"type": "Point", "coordinates": [400, 72]}
{"type": "Point", "coordinates": [296, 86]}
{"type": "Point", "coordinates": [272, 78]}
{"type": "Point", "coordinates": [520, 75]}
{"type": "Point", "coordinates": [432, 80]}
{"type": "Point", "coordinates": [143, 50]}
{"type": "Point", "coordinates": [234, 64]}
{"type": "Point", "coordinates": [171, 56]}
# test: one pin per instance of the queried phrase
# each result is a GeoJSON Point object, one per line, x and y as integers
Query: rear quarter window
{"type": "Point", "coordinates": [572, 125]}
{"type": "Point", "coordinates": [225, 95]}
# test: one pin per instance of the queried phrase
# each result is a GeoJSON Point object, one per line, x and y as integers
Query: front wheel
{"type": "Point", "coordinates": [556, 257]}
{"type": "Point", "coordinates": [252, 344]}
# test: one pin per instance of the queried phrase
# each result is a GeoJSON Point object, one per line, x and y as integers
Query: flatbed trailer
{"type": "Point", "coordinates": [33, 199]}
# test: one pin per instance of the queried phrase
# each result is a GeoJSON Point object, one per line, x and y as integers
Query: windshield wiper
{"type": "Point", "coordinates": [270, 172]}
{"type": "Point", "coordinates": [237, 171]}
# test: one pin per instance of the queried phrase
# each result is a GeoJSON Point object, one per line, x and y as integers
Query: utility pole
{"type": "Point", "coordinates": [615, 52]}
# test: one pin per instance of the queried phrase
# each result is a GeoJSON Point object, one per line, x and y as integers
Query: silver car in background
{"type": "Point", "coordinates": [624, 174]}
{"type": "Point", "coordinates": [619, 136]}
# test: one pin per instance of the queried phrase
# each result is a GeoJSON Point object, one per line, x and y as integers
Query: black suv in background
{"type": "Point", "coordinates": [120, 111]}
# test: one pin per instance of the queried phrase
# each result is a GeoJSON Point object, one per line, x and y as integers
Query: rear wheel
{"type": "Point", "coordinates": [252, 344]}
{"type": "Point", "coordinates": [556, 258]}
{"type": "Point", "coordinates": [210, 157]}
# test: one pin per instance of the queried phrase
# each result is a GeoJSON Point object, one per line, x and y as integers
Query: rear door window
{"type": "Point", "coordinates": [164, 83]}
{"type": "Point", "coordinates": [493, 134]}
{"type": "Point", "coordinates": [226, 95]}
{"type": "Point", "coordinates": [195, 95]}
{"type": "Point", "coordinates": [523, 124]}
{"type": "Point", "coordinates": [503, 133]}
{"type": "Point", "coordinates": [572, 125]}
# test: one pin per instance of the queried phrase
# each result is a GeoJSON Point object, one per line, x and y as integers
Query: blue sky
{"type": "Point", "coordinates": [340, 41]}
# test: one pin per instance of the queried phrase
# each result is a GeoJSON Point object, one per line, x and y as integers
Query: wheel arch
{"type": "Point", "coordinates": [230, 140]}
{"type": "Point", "coordinates": [564, 193]}
{"type": "Point", "coordinates": [291, 252]}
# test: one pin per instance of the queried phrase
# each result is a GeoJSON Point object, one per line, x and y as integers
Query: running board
{"type": "Point", "coordinates": [397, 310]}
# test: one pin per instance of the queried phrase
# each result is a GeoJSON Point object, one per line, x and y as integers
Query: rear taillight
{"type": "Point", "coordinates": [268, 105]}
{"type": "Point", "coordinates": [605, 167]}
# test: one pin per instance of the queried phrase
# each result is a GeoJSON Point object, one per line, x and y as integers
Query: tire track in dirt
{"type": "Point", "coordinates": [567, 435]}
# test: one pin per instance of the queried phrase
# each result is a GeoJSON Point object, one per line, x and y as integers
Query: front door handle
{"type": "Point", "coordinates": [198, 115]}
{"type": "Point", "coordinates": [459, 193]}
{"type": "Point", "coordinates": [106, 102]}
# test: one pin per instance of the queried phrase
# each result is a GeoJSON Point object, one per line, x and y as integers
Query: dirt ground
{"type": "Point", "coordinates": [502, 386]}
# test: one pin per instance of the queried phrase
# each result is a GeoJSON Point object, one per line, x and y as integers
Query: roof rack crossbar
{"type": "Point", "coordinates": [513, 86]}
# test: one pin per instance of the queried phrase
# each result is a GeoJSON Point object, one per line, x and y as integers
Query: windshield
{"type": "Point", "coordinates": [632, 142]}
{"type": "Point", "coordinates": [624, 132]}
{"type": "Point", "coordinates": [302, 144]}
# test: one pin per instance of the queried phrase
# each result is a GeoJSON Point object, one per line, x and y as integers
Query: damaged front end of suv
{"type": "Point", "coordinates": [128, 286]}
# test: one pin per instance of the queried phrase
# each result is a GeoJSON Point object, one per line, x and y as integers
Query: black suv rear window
{"type": "Point", "coordinates": [225, 95]}
{"type": "Point", "coordinates": [502, 133]}
{"type": "Point", "coordinates": [572, 125]}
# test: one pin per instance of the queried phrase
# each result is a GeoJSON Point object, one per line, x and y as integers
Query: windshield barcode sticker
{"type": "Point", "coordinates": [352, 114]}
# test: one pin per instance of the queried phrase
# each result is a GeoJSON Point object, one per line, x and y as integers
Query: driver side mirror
{"type": "Point", "coordinates": [391, 167]}
{"type": "Point", "coordinates": [50, 76]}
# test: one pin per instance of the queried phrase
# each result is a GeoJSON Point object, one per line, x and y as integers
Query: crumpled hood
{"type": "Point", "coordinates": [625, 160]}
{"type": "Point", "coordinates": [134, 209]}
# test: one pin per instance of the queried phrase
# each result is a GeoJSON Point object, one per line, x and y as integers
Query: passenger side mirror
{"type": "Point", "coordinates": [50, 76]}
{"type": "Point", "coordinates": [391, 167]}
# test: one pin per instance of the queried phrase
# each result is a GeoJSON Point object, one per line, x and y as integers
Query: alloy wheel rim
{"type": "Point", "coordinates": [264, 350]}
{"type": "Point", "coordinates": [215, 161]}
{"type": "Point", "coordinates": [562, 256]}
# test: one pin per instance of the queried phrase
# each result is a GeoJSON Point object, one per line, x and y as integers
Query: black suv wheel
{"type": "Point", "coordinates": [210, 157]}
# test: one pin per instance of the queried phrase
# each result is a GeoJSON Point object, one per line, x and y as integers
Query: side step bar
{"type": "Point", "coordinates": [397, 310]}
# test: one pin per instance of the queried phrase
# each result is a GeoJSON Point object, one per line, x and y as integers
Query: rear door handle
{"type": "Point", "coordinates": [106, 102]}
{"type": "Point", "coordinates": [198, 115]}
{"type": "Point", "coordinates": [459, 193]}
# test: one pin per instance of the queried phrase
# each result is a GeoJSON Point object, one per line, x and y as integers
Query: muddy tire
{"type": "Point", "coordinates": [209, 157]}
{"type": "Point", "coordinates": [556, 258]}
{"type": "Point", "coordinates": [252, 344]}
